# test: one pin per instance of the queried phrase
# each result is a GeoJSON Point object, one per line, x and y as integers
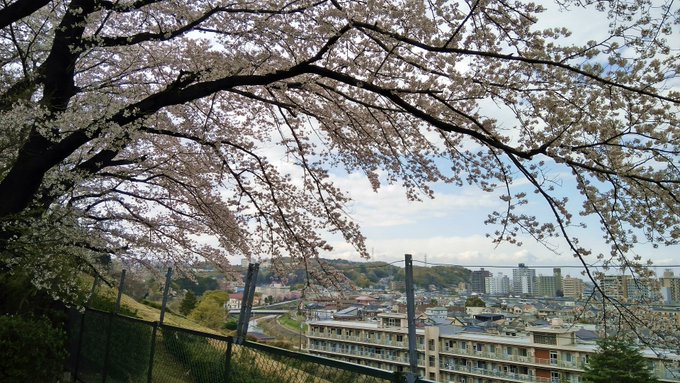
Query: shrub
{"type": "Point", "coordinates": [230, 325]}
{"type": "Point", "coordinates": [32, 350]}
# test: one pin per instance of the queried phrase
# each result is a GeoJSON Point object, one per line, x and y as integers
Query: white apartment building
{"type": "Point", "coordinates": [499, 285]}
{"type": "Point", "coordinates": [524, 280]}
{"type": "Point", "coordinates": [450, 354]}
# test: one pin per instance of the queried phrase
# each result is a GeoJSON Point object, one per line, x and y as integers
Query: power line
{"type": "Point", "coordinates": [538, 266]}
{"type": "Point", "coordinates": [379, 264]}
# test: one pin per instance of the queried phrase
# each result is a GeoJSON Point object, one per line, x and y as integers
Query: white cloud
{"type": "Point", "coordinates": [474, 250]}
{"type": "Point", "coordinates": [390, 207]}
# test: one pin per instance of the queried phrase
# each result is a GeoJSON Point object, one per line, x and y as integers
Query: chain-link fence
{"type": "Point", "coordinates": [113, 348]}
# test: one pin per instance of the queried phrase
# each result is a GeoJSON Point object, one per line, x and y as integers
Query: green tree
{"type": "Point", "coordinates": [188, 303]}
{"type": "Point", "coordinates": [617, 361]}
{"type": "Point", "coordinates": [199, 286]}
{"type": "Point", "coordinates": [474, 301]}
{"type": "Point", "coordinates": [362, 281]}
{"type": "Point", "coordinates": [210, 310]}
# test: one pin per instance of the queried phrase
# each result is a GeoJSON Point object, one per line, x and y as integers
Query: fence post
{"type": "Point", "coordinates": [168, 277]}
{"type": "Point", "coordinates": [107, 349]}
{"type": "Point", "coordinates": [95, 283]}
{"type": "Point", "coordinates": [411, 319]}
{"type": "Point", "coordinates": [81, 330]}
{"type": "Point", "coordinates": [120, 290]}
{"type": "Point", "coordinates": [247, 302]}
{"type": "Point", "coordinates": [152, 353]}
{"type": "Point", "coordinates": [227, 367]}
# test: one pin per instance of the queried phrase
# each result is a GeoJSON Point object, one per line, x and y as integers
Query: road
{"type": "Point", "coordinates": [253, 326]}
{"type": "Point", "coordinates": [283, 332]}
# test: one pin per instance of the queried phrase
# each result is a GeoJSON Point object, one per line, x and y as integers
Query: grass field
{"type": "Point", "coordinates": [292, 323]}
{"type": "Point", "coordinates": [153, 314]}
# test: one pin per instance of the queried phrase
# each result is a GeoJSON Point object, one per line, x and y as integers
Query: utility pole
{"type": "Point", "coordinates": [411, 320]}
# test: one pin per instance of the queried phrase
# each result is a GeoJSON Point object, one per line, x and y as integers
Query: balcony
{"type": "Point", "coordinates": [499, 356]}
{"type": "Point", "coordinates": [510, 376]}
{"type": "Point", "coordinates": [363, 354]}
{"type": "Point", "coordinates": [361, 339]}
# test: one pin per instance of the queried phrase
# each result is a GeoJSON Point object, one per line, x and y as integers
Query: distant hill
{"type": "Point", "coordinates": [367, 274]}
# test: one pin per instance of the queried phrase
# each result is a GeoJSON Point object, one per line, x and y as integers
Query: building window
{"type": "Point", "coordinates": [492, 348]}
{"type": "Point", "coordinates": [566, 356]}
{"type": "Point", "coordinates": [479, 347]}
{"type": "Point", "coordinates": [522, 352]}
{"type": "Point", "coordinates": [543, 338]}
{"type": "Point", "coordinates": [463, 345]}
{"type": "Point", "coordinates": [508, 350]}
{"type": "Point", "coordinates": [430, 344]}
{"type": "Point", "coordinates": [400, 338]}
{"type": "Point", "coordinates": [338, 331]}
{"type": "Point", "coordinates": [554, 377]}
{"type": "Point", "coordinates": [431, 360]}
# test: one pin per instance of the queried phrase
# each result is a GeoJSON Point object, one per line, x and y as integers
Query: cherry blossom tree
{"type": "Point", "coordinates": [161, 129]}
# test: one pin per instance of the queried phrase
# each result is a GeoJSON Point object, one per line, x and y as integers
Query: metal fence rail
{"type": "Point", "coordinates": [113, 348]}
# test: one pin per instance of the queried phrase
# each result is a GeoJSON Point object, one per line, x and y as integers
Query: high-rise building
{"type": "Point", "coordinates": [614, 286]}
{"type": "Point", "coordinates": [546, 286]}
{"type": "Point", "coordinates": [625, 288]}
{"type": "Point", "coordinates": [559, 290]}
{"type": "Point", "coordinates": [573, 287]}
{"type": "Point", "coordinates": [477, 280]}
{"type": "Point", "coordinates": [524, 280]}
{"type": "Point", "coordinates": [498, 285]}
{"type": "Point", "coordinates": [670, 287]}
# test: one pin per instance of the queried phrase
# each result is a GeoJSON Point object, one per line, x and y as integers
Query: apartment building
{"type": "Point", "coordinates": [626, 289]}
{"type": "Point", "coordinates": [573, 287]}
{"type": "Point", "coordinates": [546, 286]}
{"type": "Point", "coordinates": [448, 353]}
{"type": "Point", "coordinates": [670, 287]}
{"type": "Point", "coordinates": [499, 285]}
{"type": "Point", "coordinates": [524, 280]}
{"type": "Point", "coordinates": [477, 281]}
